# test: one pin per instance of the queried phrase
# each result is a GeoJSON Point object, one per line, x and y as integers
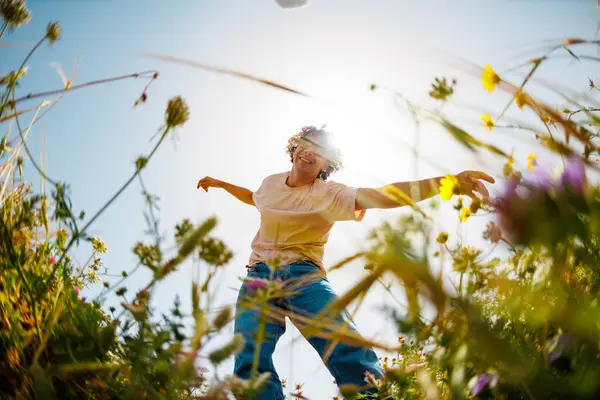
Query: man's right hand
{"type": "Point", "coordinates": [208, 182]}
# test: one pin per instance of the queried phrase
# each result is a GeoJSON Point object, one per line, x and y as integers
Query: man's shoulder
{"type": "Point", "coordinates": [330, 184]}
{"type": "Point", "coordinates": [273, 178]}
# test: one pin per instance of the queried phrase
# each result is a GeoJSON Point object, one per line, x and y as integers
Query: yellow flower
{"type": "Point", "coordinates": [465, 213]}
{"type": "Point", "coordinates": [487, 121]}
{"type": "Point", "coordinates": [489, 78]}
{"type": "Point", "coordinates": [508, 168]}
{"type": "Point", "coordinates": [449, 186]}
{"type": "Point", "coordinates": [442, 238]}
{"type": "Point", "coordinates": [531, 161]}
{"type": "Point", "coordinates": [520, 99]}
{"type": "Point", "coordinates": [98, 245]}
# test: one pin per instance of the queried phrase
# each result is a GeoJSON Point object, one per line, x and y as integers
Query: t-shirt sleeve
{"type": "Point", "coordinates": [343, 202]}
{"type": "Point", "coordinates": [258, 194]}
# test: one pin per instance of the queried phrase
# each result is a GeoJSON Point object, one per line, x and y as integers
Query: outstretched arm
{"type": "Point", "coordinates": [400, 194]}
{"type": "Point", "coordinates": [240, 193]}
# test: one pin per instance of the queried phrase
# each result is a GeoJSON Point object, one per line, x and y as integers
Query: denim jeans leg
{"type": "Point", "coordinates": [348, 364]}
{"type": "Point", "coordinates": [247, 323]}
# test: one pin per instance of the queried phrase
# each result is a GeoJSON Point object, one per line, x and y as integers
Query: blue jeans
{"type": "Point", "coordinates": [346, 363]}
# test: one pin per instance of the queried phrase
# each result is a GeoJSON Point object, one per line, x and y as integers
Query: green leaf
{"type": "Point", "coordinates": [42, 385]}
{"type": "Point", "coordinates": [461, 136]}
{"type": "Point", "coordinates": [571, 53]}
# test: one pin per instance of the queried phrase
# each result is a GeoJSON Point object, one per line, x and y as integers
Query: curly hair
{"type": "Point", "coordinates": [333, 153]}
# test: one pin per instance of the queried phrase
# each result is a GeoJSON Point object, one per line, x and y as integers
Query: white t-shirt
{"type": "Point", "coordinates": [295, 221]}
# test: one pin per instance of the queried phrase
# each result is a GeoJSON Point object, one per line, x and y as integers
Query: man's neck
{"type": "Point", "coordinates": [294, 180]}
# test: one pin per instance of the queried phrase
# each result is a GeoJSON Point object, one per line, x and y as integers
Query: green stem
{"type": "Point", "coordinates": [109, 202]}
{"type": "Point", "coordinates": [81, 86]}
{"type": "Point", "coordinates": [260, 336]}
{"type": "Point", "coordinates": [4, 26]}
{"type": "Point", "coordinates": [115, 285]}
{"type": "Point", "coordinates": [11, 87]}
{"type": "Point", "coordinates": [35, 165]}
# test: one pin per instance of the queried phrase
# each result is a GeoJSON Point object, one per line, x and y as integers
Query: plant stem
{"type": "Point", "coordinates": [109, 202]}
{"type": "Point", "coordinates": [260, 336]}
{"type": "Point", "coordinates": [82, 85]}
{"type": "Point", "coordinates": [11, 87]}
{"type": "Point", "coordinates": [4, 26]}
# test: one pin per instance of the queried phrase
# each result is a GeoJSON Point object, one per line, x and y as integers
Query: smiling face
{"type": "Point", "coordinates": [309, 158]}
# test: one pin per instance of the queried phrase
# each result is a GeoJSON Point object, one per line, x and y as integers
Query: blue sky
{"type": "Point", "coordinates": [331, 49]}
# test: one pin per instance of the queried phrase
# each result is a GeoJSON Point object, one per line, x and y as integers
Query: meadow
{"type": "Point", "coordinates": [522, 324]}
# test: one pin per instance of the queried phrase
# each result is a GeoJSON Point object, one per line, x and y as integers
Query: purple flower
{"type": "Point", "coordinates": [484, 381]}
{"type": "Point", "coordinates": [77, 290]}
{"type": "Point", "coordinates": [543, 178]}
{"type": "Point", "coordinates": [574, 174]}
{"type": "Point", "coordinates": [52, 259]}
{"type": "Point", "coordinates": [256, 284]}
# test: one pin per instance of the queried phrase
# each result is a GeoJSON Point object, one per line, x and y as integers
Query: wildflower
{"type": "Point", "coordinates": [12, 78]}
{"type": "Point", "coordinates": [98, 245]}
{"type": "Point", "coordinates": [492, 232]}
{"type": "Point", "coordinates": [573, 175]}
{"type": "Point", "coordinates": [508, 167]}
{"type": "Point", "coordinates": [543, 178]}
{"type": "Point", "coordinates": [214, 252]}
{"type": "Point", "coordinates": [53, 32]}
{"type": "Point", "coordinates": [77, 290]}
{"type": "Point", "coordinates": [14, 12]}
{"type": "Point", "coordinates": [441, 239]}
{"type": "Point", "coordinates": [465, 259]}
{"type": "Point", "coordinates": [134, 308]}
{"type": "Point", "coordinates": [489, 78]}
{"type": "Point", "coordinates": [465, 213]}
{"type": "Point", "coordinates": [487, 121]}
{"type": "Point", "coordinates": [13, 357]}
{"type": "Point", "coordinates": [52, 259]}
{"type": "Point", "coordinates": [222, 318]}
{"type": "Point", "coordinates": [233, 347]}
{"type": "Point", "coordinates": [483, 381]}
{"type": "Point", "coordinates": [531, 161]}
{"type": "Point", "coordinates": [177, 112]}
{"type": "Point", "coordinates": [284, 383]}
{"type": "Point", "coordinates": [449, 186]}
{"type": "Point", "coordinates": [256, 284]}
{"type": "Point", "coordinates": [520, 99]}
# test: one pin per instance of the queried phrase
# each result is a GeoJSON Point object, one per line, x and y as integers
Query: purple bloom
{"type": "Point", "coordinates": [52, 259]}
{"type": "Point", "coordinates": [543, 178]}
{"type": "Point", "coordinates": [574, 174]}
{"type": "Point", "coordinates": [256, 284]}
{"type": "Point", "coordinates": [77, 290]}
{"type": "Point", "coordinates": [482, 382]}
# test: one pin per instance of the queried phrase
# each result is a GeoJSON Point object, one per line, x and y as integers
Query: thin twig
{"type": "Point", "coordinates": [82, 85]}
